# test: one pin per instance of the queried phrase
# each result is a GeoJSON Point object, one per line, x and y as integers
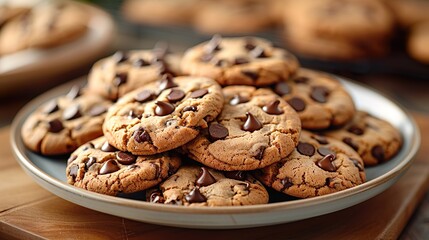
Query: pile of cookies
{"type": "Point", "coordinates": [217, 127]}
{"type": "Point", "coordinates": [23, 27]}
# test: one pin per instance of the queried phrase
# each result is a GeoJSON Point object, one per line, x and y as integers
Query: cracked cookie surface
{"type": "Point", "coordinates": [203, 186]}
{"type": "Point", "coordinates": [239, 61]}
{"type": "Point", "coordinates": [163, 115]}
{"type": "Point", "coordinates": [318, 166]}
{"type": "Point", "coordinates": [256, 128]}
{"type": "Point", "coordinates": [114, 76]}
{"type": "Point", "coordinates": [319, 99]}
{"type": "Point", "coordinates": [99, 167]}
{"type": "Point", "coordinates": [375, 140]}
{"type": "Point", "coordinates": [62, 124]}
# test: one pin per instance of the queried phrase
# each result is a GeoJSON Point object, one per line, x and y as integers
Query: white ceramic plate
{"type": "Point", "coordinates": [25, 68]}
{"type": "Point", "coordinates": [50, 173]}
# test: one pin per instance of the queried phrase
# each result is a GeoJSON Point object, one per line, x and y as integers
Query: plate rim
{"type": "Point", "coordinates": [35, 171]}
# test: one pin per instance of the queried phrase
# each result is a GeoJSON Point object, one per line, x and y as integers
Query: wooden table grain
{"type": "Point", "coordinates": [28, 211]}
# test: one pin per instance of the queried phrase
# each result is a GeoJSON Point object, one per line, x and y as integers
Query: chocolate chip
{"type": "Point", "coordinates": [326, 163]}
{"type": "Point", "coordinates": [217, 131]}
{"type": "Point", "coordinates": [50, 107]}
{"type": "Point", "coordinates": [282, 88]}
{"type": "Point", "coordinates": [163, 108]}
{"type": "Point", "coordinates": [351, 143]}
{"type": "Point", "coordinates": [207, 57]}
{"type": "Point", "coordinates": [132, 115]}
{"type": "Point", "coordinates": [106, 147]}
{"type": "Point", "coordinates": [120, 56]}
{"type": "Point", "coordinates": [90, 162]}
{"type": "Point", "coordinates": [301, 80]}
{"type": "Point", "coordinates": [195, 196]}
{"type": "Point", "coordinates": [88, 146]}
{"type": "Point", "coordinates": [319, 94]}
{"type": "Point", "coordinates": [120, 78]}
{"type": "Point", "coordinates": [355, 130]}
{"type": "Point", "coordinates": [190, 108]}
{"type": "Point", "coordinates": [97, 110]}
{"type": "Point", "coordinates": [141, 135]}
{"type": "Point", "coordinates": [140, 63]}
{"type": "Point", "coordinates": [71, 159]}
{"type": "Point", "coordinates": [237, 175]}
{"type": "Point", "coordinates": [109, 167]}
{"type": "Point", "coordinates": [258, 52]}
{"type": "Point", "coordinates": [72, 112]}
{"type": "Point", "coordinates": [297, 103]}
{"type": "Point", "coordinates": [220, 63]}
{"type": "Point", "coordinates": [249, 45]}
{"type": "Point", "coordinates": [260, 152]}
{"type": "Point", "coordinates": [252, 123]}
{"type": "Point", "coordinates": [252, 75]}
{"type": "Point", "coordinates": [214, 44]}
{"type": "Point", "coordinates": [357, 164]}
{"type": "Point", "coordinates": [74, 92]}
{"type": "Point", "coordinates": [199, 93]}
{"type": "Point", "coordinates": [156, 197]}
{"type": "Point", "coordinates": [240, 60]}
{"type": "Point", "coordinates": [175, 95]}
{"type": "Point", "coordinates": [378, 153]}
{"type": "Point", "coordinates": [55, 126]}
{"type": "Point", "coordinates": [305, 149]}
{"type": "Point", "coordinates": [125, 158]}
{"type": "Point", "coordinates": [167, 82]}
{"type": "Point", "coordinates": [144, 96]}
{"type": "Point", "coordinates": [237, 99]}
{"type": "Point", "coordinates": [273, 108]}
{"type": "Point", "coordinates": [320, 139]}
{"type": "Point", "coordinates": [205, 178]}
{"type": "Point", "coordinates": [73, 171]}
{"type": "Point", "coordinates": [287, 183]}
{"type": "Point", "coordinates": [326, 151]}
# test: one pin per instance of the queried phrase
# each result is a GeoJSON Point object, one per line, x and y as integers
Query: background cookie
{"type": "Point", "coordinates": [99, 167]}
{"type": "Point", "coordinates": [62, 124]}
{"type": "Point", "coordinates": [418, 41]}
{"type": "Point", "coordinates": [409, 12]}
{"type": "Point", "coordinates": [123, 72]}
{"type": "Point", "coordinates": [374, 139]}
{"type": "Point", "coordinates": [256, 128]}
{"type": "Point", "coordinates": [202, 186]}
{"type": "Point", "coordinates": [239, 61]}
{"type": "Point", "coordinates": [47, 25]}
{"type": "Point", "coordinates": [318, 98]}
{"type": "Point", "coordinates": [318, 166]}
{"type": "Point", "coordinates": [163, 115]}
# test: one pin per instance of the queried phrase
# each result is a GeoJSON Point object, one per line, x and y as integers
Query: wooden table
{"type": "Point", "coordinates": [28, 211]}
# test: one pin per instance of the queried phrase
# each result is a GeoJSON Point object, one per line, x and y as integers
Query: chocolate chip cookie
{"type": "Point", "coordinates": [318, 98]}
{"type": "Point", "coordinates": [64, 123]}
{"type": "Point", "coordinates": [374, 139]}
{"type": "Point", "coordinates": [239, 61]}
{"type": "Point", "coordinates": [256, 128]}
{"type": "Point", "coordinates": [318, 166]}
{"type": "Point", "coordinates": [163, 115]}
{"type": "Point", "coordinates": [99, 167]}
{"type": "Point", "coordinates": [123, 72]}
{"type": "Point", "coordinates": [203, 186]}
{"type": "Point", "coordinates": [46, 25]}
{"type": "Point", "coordinates": [417, 42]}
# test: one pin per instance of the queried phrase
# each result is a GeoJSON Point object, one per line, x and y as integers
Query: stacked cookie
{"type": "Point", "coordinates": [215, 128]}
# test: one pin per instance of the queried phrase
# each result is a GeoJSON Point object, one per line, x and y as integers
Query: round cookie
{"type": "Point", "coordinates": [202, 186]}
{"type": "Point", "coordinates": [318, 166]}
{"type": "Point", "coordinates": [123, 72]}
{"type": "Point", "coordinates": [256, 128]}
{"type": "Point", "coordinates": [374, 139]}
{"type": "Point", "coordinates": [97, 166]}
{"type": "Point", "coordinates": [62, 22]}
{"type": "Point", "coordinates": [409, 12]}
{"type": "Point", "coordinates": [319, 99]}
{"type": "Point", "coordinates": [418, 42]}
{"type": "Point", "coordinates": [232, 17]}
{"type": "Point", "coordinates": [163, 115]}
{"type": "Point", "coordinates": [239, 61]}
{"type": "Point", "coordinates": [64, 123]}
